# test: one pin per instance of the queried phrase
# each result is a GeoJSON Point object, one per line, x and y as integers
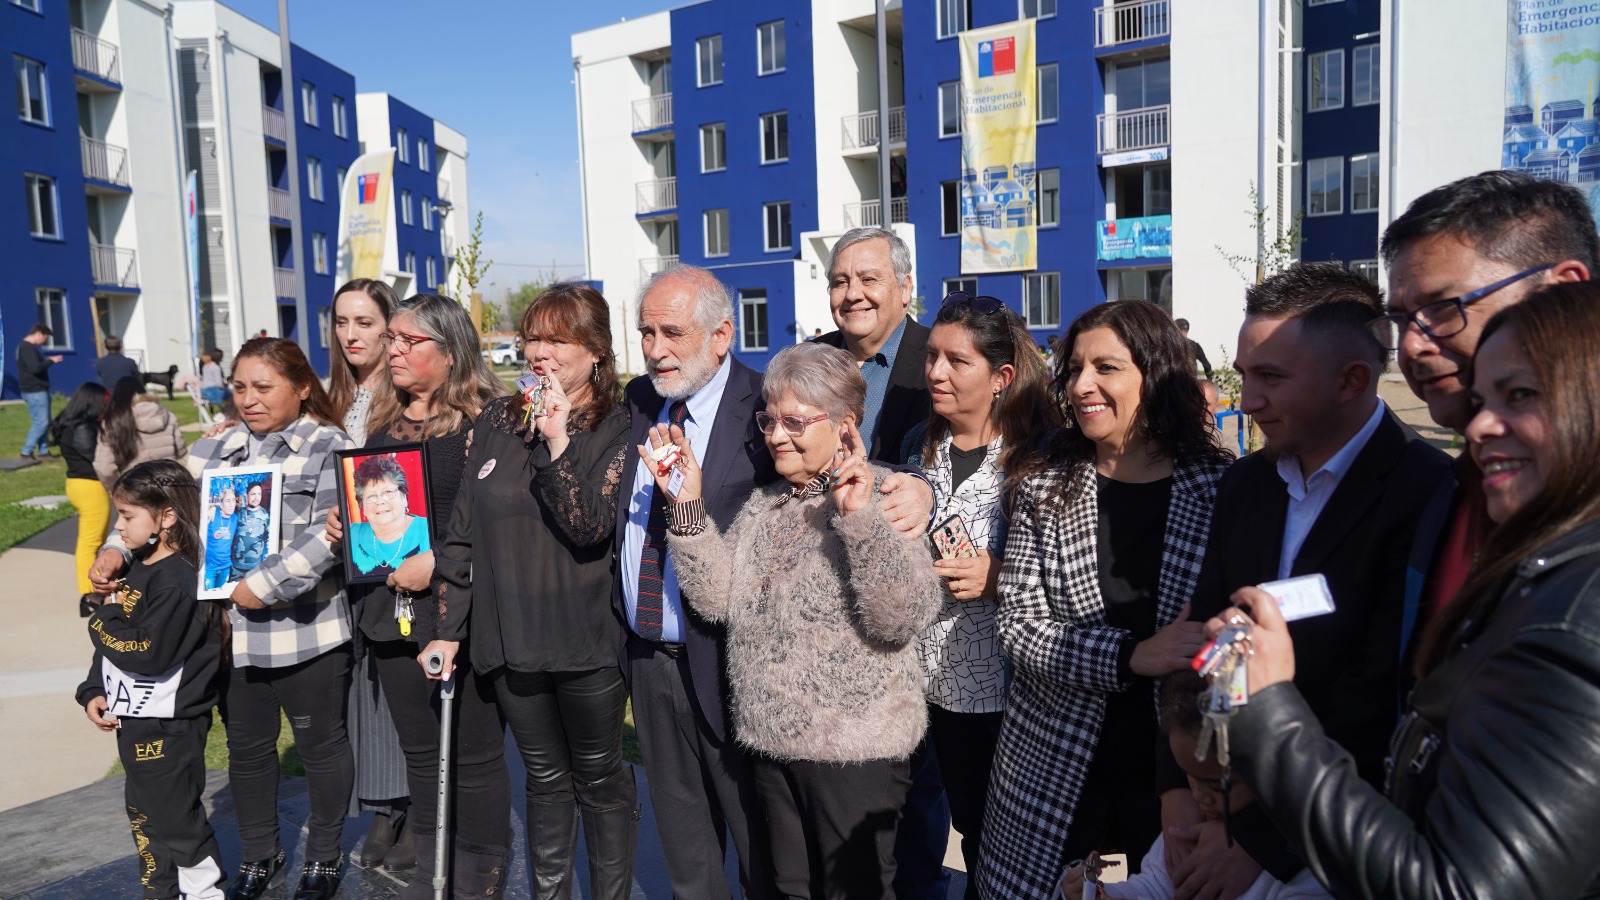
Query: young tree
{"type": "Point", "coordinates": [471, 266]}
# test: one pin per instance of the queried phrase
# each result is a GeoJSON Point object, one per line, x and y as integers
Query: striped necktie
{"type": "Point", "coordinates": [653, 555]}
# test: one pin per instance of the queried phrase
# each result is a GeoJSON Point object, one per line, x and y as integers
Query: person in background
{"type": "Point", "coordinates": [113, 367]}
{"type": "Point", "coordinates": [76, 431]}
{"type": "Point", "coordinates": [211, 378]}
{"type": "Point", "coordinates": [1195, 350]}
{"type": "Point", "coordinates": [33, 381]}
{"type": "Point", "coordinates": [1104, 550]}
{"type": "Point", "coordinates": [135, 428]}
{"type": "Point", "coordinates": [991, 408]}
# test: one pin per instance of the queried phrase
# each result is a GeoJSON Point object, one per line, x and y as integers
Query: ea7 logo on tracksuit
{"type": "Point", "coordinates": [148, 752]}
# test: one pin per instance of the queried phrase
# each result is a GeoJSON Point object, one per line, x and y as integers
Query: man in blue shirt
{"type": "Point", "coordinates": [219, 532]}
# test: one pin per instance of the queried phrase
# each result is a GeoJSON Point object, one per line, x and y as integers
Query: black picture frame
{"type": "Point", "coordinates": [370, 556]}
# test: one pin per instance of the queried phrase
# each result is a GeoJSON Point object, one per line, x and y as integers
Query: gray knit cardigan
{"type": "Point", "coordinates": [822, 612]}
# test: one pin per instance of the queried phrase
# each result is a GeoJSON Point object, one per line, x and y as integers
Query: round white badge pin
{"type": "Point", "coordinates": [487, 468]}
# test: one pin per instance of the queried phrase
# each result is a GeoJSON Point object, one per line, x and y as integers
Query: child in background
{"type": "Point", "coordinates": [153, 681]}
{"type": "Point", "coordinates": [1181, 722]}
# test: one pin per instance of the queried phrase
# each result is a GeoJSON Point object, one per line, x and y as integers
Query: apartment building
{"type": "Point", "coordinates": [157, 89]}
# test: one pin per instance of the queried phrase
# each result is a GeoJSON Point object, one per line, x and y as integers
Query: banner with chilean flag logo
{"type": "Point", "coordinates": [364, 215]}
{"type": "Point", "coordinates": [998, 149]}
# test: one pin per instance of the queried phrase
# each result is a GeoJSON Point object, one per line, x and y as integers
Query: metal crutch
{"type": "Point", "coordinates": [447, 696]}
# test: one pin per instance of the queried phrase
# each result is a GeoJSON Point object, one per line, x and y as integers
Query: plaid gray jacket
{"type": "Point", "coordinates": [1053, 627]}
{"type": "Point", "coordinates": [306, 612]}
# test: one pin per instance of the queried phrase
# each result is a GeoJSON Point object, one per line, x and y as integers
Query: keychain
{"type": "Point", "coordinates": [403, 611]}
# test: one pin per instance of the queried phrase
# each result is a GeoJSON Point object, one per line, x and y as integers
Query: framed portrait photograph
{"type": "Point", "coordinates": [239, 524]}
{"type": "Point", "coordinates": [383, 499]}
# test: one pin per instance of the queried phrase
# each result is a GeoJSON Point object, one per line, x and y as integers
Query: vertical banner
{"type": "Point", "coordinates": [191, 228]}
{"type": "Point", "coordinates": [364, 215]}
{"type": "Point", "coordinates": [997, 148]}
{"type": "Point", "coordinates": [1552, 125]}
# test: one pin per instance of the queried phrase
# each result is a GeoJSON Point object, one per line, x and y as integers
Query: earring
{"type": "Point", "coordinates": [153, 540]}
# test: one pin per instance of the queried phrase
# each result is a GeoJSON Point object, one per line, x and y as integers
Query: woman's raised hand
{"type": "Point", "coordinates": [1272, 656]}
{"type": "Point", "coordinates": [680, 481]}
{"type": "Point", "coordinates": [852, 476]}
{"type": "Point", "coordinates": [552, 423]}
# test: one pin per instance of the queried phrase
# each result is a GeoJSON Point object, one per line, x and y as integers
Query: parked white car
{"type": "Point", "coordinates": [503, 351]}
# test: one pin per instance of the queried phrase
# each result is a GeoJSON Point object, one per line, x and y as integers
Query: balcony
{"type": "Point", "coordinates": [278, 204]}
{"type": "Point", "coordinates": [650, 265]}
{"type": "Point", "coordinates": [861, 131]}
{"type": "Point", "coordinates": [273, 125]}
{"type": "Point", "coordinates": [283, 282]}
{"type": "Point", "coordinates": [97, 59]}
{"type": "Point", "coordinates": [869, 213]}
{"type": "Point", "coordinates": [1146, 237]}
{"type": "Point", "coordinates": [1127, 23]}
{"type": "Point", "coordinates": [1133, 129]}
{"type": "Point", "coordinates": [652, 113]}
{"type": "Point", "coordinates": [105, 166]}
{"type": "Point", "coordinates": [444, 193]}
{"type": "Point", "coordinates": [115, 268]}
{"type": "Point", "coordinates": [657, 196]}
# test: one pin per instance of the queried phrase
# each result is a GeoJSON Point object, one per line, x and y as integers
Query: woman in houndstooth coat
{"type": "Point", "coordinates": [1103, 552]}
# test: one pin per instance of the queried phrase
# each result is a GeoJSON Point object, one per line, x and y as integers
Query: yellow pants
{"type": "Point", "coordinates": [89, 496]}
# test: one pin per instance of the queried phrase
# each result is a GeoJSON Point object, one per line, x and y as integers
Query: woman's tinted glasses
{"type": "Point", "coordinates": [980, 304]}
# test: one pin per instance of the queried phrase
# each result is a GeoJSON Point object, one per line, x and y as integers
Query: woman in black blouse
{"type": "Point", "coordinates": [441, 384]}
{"type": "Point", "coordinates": [536, 516]}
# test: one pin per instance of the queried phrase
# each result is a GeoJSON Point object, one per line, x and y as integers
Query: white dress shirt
{"type": "Point", "coordinates": [1308, 496]}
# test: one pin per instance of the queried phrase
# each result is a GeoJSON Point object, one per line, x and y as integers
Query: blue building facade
{"type": "Point", "coordinates": [416, 184]}
{"type": "Point", "coordinates": [1340, 166]}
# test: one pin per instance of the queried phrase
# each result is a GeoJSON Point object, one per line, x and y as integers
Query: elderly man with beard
{"type": "Point", "coordinates": [674, 660]}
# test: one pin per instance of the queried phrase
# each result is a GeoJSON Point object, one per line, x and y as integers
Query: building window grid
{"type": "Point", "coordinates": [708, 60]}
{"type": "Point", "coordinates": [949, 208]}
{"type": "Point", "coordinates": [1046, 94]}
{"type": "Point", "coordinates": [431, 275]}
{"type": "Point", "coordinates": [402, 146]}
{"type": "Point", "coordinates": [1325, 186]}
{"type": "Point", "coordinates": [33, 91]}
{"type": "Point", "coordinates": [405, 207]}
{"type": "Point", "coordinates": [771, 53]}
{"type": "Point", "coordinates": [308, 103]}
{"type": "Point", "coordinates": [1041, 299]}
{"type": "Point", "coordinates": [341, 125]}
{"type": "Point", "coordinates": [775, 136]}
{"type": "Point", "coordinates": [52, 309]}
{"type": "Point", "coordinates": [1326, 81]}
{"type": "Point", "coordinates": [776, 231]}
{"type": "Point", "coordinates": [319, 253]}
{"type": "Point", "coordinates": [427, 214]}
{"type": "Point", "coordinates": [314, 178]}
{"type": "Point", "coordinates": [411, 262]}
{"type": "Point", "coordinates": [1365, 74]}
{"type": "Point", "coordinates": [424, 161]}
{"type": "Point", "coordinates": [1367, 268]}
{"type": "Point", "coordinates": [30, 5]}
{"type": "Point", "coordinates": [1047, 199]}
{"type": "Point", "coordinates": [714, 147]}
{"type": "Point", "coordinates": [753, 320]}
{"type": "Point", "coordinates": [952, 16]}
{"type": "Point", "coordinates": [1036, 9]}
{"type": "Point", "coordinates": [949, 109]}
{"type": "Point", "coordinates": [1364, 183]}
{"type": "Point", "coordinates": [44, 207]}
{"type": "Point", "coordinates": [715, 223]}
{"type": "Point", "coordinates": [951, 285]}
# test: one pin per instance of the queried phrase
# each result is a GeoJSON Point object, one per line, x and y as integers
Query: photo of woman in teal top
{"type": "Point", "coordinates": [386, 532]}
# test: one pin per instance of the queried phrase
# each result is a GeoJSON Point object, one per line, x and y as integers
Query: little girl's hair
{"type": "Point", "coordinates": [165, 484]}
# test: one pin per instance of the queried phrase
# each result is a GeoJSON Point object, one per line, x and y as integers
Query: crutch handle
{"type": "Point", "coordinates": [434, 663]}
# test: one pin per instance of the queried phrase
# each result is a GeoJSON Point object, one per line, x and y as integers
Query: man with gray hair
{"type": "Point", "coordinates": [113, 367]}
{"type": "Point", "coordinates": [674, 660]}
{"type": "Point", "coordinates": [869, 292]}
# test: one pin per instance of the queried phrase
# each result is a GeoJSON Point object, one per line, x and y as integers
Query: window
{"type": "Point", "coordinates": [53, 313]}
{"type": "Point", "coordinates": [1037, 9]}
{"type": "Point", "coordinates": [769, 48]}
{"type": "Point", "coordinates": [713, 147]}
{"type": "Point", "coordinates": [44, 213]}
{"type": "Point", "coordinates": [952, 16]}
{"type": "Point", "coordinates": [405, 207]}
{"type": "Point", "coordinates": [1325, 186]}
{"type": "Point", "coordinates": [1367, 268]}
{"type": "Point", "coordinates": [775, 137]}
{"type": "Point", "coordinates": [341, 173]}
{"type": "Point", "coordinates": [28, 4]}
{"type": "Point", "coordinates": [1364, 75]}
{"type": "Point", "coordinates": [319, 253]}
{"type": "Point", "coordinates": [1041, 300]}
{"type": "Point", "coordinates": [949, 208]}
{"type": "Point", "coordinates": [401, 145]}
{"type": "Point", "coordinates": [33, 94]}
{"type": "Point", "coordinates": [431, 277]}
{"type": "Point", "coordinates": [1144, 84]}
{"type": "Point", "coordinates": [341, 127]}
{"type": "Point", "coordinates": [753, 320]}
{"type": "Point", "coordinates": [777, 226]}
{"type": "Point", "coordinates": [949, 109]}
{"type": "Point", "coordinates": [716, 226]}
{"type": "Point", "coordinates": [1364, 183]}
{"type": "Point", "coordinates": [970, 285]}
{"type": "Point", "coordinates": [1323, 2]}
{"type": "Point", "coordinates": [411, 262]}
{"type": "Point", "coordinates": [1326, 82]}
{"type": "Point", "coordinates": [1046, 97]}
{"type": "Point", "coordinates": [314, 178]}
{"type": "Point", "coordinates": [308, 103]}
{"type": "Point", "coordinates": [427, 214]}
{"type": "Point", "coordinates": [708, 56]}
{"type": "Point", "coordinates": [1047, 198]}
{"type": "Point", "coordinates": [424, 157]}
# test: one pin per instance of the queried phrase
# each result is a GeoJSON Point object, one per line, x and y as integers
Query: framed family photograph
{"type": "Point", "coordinates": [383, 499]}
{"type": "Point", "coordinates": [239, 524]}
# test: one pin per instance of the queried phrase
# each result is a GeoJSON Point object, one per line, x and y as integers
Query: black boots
{"type": "Point", "coordinates": [255, 877]}
{"type": "Point", "coordinates": [610, 833]}
{"type": "Point", "coordinates": [402, 857]}
{"type": "Point", "coordinates": [552, 835]}
{"type": "Point", "coordinates": [386, 827]}
{"type": "Point", "coordinates": [474, 871]}
{"type": "Point", "coordinates": [320, 880]}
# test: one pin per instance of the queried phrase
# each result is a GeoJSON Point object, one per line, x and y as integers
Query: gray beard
{"type": "Point", "coordinates": [693, 374]}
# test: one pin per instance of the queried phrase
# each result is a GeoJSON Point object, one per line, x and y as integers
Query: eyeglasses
{"type": "Point", "coordinates": [388, 494]}
{"type": "Point", "coordinates": [794, 425]}
{"type": "Point", "coordinates": [402, 341]}
{"type": "Point", "coordinates": [1441, 318]}
{"type": "Point", "coordinates": [980, 304]}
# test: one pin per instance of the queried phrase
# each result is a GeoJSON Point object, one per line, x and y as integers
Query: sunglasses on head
{"type": "Point", "coordinates": [982, 305]}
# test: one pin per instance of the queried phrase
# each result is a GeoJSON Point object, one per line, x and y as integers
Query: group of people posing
{"type": "Point", "coordinates": [747, 557]}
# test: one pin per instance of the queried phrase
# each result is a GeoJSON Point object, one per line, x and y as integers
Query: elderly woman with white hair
{"type": "Point", "coordinates": [822, 601]}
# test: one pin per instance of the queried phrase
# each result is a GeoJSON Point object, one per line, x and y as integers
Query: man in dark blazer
{"type": "Point", "coordinates": [1337, 491]}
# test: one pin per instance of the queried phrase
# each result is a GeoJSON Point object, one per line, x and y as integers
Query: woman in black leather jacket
{"type": "Point", "coordinates": [1494, 781]}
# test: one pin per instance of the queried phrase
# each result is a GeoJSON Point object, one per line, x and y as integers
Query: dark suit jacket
{"type": "Point", "coordinates": [735, 463]}
{"type": "Point", "coordinates": [906, 402]}
{"type": "Point", "coordinates": [1346, 662]}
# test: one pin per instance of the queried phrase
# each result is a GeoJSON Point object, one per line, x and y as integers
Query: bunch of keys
{"type": "Point", "coordinates": [1224, 663]}
{"type": "Point", "coordinates": [668, 458]}
{"type": "Point", "coordinates": [404, 613]}
{"type": "Point", "coordinates": [532, 387]}
{"type": "Point", "coordinates": [1093, 865]}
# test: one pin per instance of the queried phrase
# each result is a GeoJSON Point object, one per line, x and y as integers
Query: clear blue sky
{"type": "Point", "coordinates": [498, 71]}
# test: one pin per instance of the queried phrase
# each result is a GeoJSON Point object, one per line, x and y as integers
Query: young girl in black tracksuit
{"type": "Point", "coordinates": [153, 680]}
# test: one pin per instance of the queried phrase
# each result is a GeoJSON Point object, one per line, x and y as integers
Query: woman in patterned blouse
{"type": "Point", "coordinates": [991, 406]}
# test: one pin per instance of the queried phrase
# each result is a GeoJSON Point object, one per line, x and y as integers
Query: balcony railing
{"type": "Point", "coordinates": [1134, 129]}
{"type": "Point", "coordinates": [653, 264]}
{"type": "Point", "coordinates": [862, 129]}
{"type": "Point", "coordinates": [103, 161]}
{"type": "Point", "coordinates": [97, 57]}
{"type": "Point", "coordinates": [283, 282]}
{"type": "Point", "coordinates": [1124, 23]}
{"type": "Point", "coordinates": [657, 195]}
{"type": "Point", "coordinates": [869, 213]}
{"type": "Point", "coordinates": [114, 266]}
{"type": "Point", "coordinates": [1144, 237]}
{"type": "Point", "coordinates": [273, 124]}
{"type": "Point", "coordinates": [652, 112]}
{"type": "Point", "coordinates": [278, 203]}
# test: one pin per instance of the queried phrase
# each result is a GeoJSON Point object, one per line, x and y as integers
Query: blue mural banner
{"type": "Point", "coordinates": [1147, 237]}
{"type": "Point", "coordinates": [191, 227]}
{"type": "Point", "coordinates": [1552, 122]}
